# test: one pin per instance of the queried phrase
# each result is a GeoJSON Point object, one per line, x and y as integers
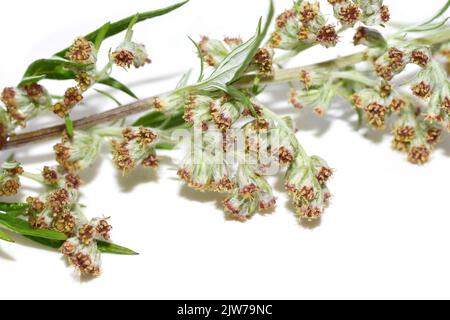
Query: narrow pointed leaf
{"type": "Point", "coordinates": [151, 120]}
{"type": "Point", "coordinates": [202, 62]}
{"type": "Point", "coordinates": [69, 126]}
{"type": "Point", "coordinates": [107, 247]}
{"type": "Point", "coordinates": [22, 227]}
{"type": "Point", "coordinates": [111, 82]}
{"type": "Point", "coordinates": [123, 24]}
{"type": "Point", "coordinates": [33, 79]}
{"type": "Point", "coordinates": [104, 247]}
{"type": "Point", "coordinates": [7, 207]}
{"type": "Point", "coordinates": [109, 96]}
{"type": "Point", "coordinates": [101, 35]}
{"type": "Point", "coordinates": [5, 237]}
{"type": "Point", "coordinates": [55, 69]}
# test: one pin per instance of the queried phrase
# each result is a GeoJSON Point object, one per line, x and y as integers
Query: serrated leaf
{"type": "Point", "coordinates": [22, 227]}
{"type": "Point", "coordinates": [5, 237]}
{"type": "Point", "coordinates": [123, 24]}
{"type": "Point", "coordinates": [111, 82]}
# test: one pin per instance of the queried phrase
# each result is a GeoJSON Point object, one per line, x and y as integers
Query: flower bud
{"type": "Point", "coordinates": [78, 153]}
{"type": "Point", "coordinates": [198, 109]}
{"type": "Point", "coordinates": [224, 114]}
{"type": "Point", "coordinates": [9, 179]}
{"type": "Point", "coordinates": [168, 102]}
{"type": "Point", "coordinates": [83, 52]}
{"type": "Point", "coordinates": [72, 97]}
{"type": "Point", "coordinates": [137, 147]}
{"type": "Point", "coordinates": [404, 131]}
{"type": "Point", "coordinates": [252, 194]}
{"type": "Point", "coordinates": [419, 152]}
{"type": "Point", "coordinates": [287, 29]}
{"type": "Point", "coordinates": [373, 12]}
{"type": "Point", "coordinates": [130, 53]}
{"type": "Point", "coordinates": [263, 60]}
{"type": "Point", "coordinates": [85, 258]}
{"type": "Point", "coordinates": [214, 51]}
{"type": "Point", "coordinates": [305, 182]}
{"type": "Point", "coordinates": [23, 104]}
{"type": "Point", "coordinates": [319, 98]}
{"type": "Point", "coordinates": [369, 37]}
{"type": "Point", "coordinates": [346, 11]}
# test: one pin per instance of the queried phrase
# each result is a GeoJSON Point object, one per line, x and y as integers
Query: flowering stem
{"type": "Point", "coordinates": [280, 76]}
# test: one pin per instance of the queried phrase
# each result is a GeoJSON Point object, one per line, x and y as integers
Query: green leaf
{"type": "Point", "coordinates": [55, 69]}
{"type": "Point", "coordinates": [110, 96]}
{"type": "Point", "coordinates": [259, 38]}
{"type": "Point", "coordinates": [107, 247]}
{"type": "Point", "coordinates": [22, 227]}
{"type": "Point", "coordinates": [5, 237]}
{"type": "Point", "coordinates": [202, 62]}
{"type": "Point", "coordinates": [69, 125]}
{"type": "Point", "coordinates": [230, 67]}
{"type": "Point", "coordinates": [122, 25]}
{"type": "Point", "coordinates": [111, 82]}
{"type": "Point", "coordinates": [184, 80]}
{"type": "Point", "coordinates": [165, 146]}
{"type": "Point", "coordinates": [7, 207]}
{"type": "Point", "coordinates": [101, 35]}
{"type": "Point", "coordinates": [104, 247]}
{"type": "Point", "coordinates": [152, 119]}
{"type": "Point", "coordinates": [173, 121]}
{"type": "Point", "coordinates": [237, 62]}
{"type": "Point", "coordinates": [30, 80]}
{"type": "Point", "coordinates": [360, 114]}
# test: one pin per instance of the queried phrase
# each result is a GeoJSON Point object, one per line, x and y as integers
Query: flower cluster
{"type": "Point", "coordinates": [252, 193]}
{"type": "Point", "coordinates": [234, 147]}
{"type": "Point", "coordinates": [136, 147]}
{"type": "Point", "coordinates": [305, 24]}
{"type": "Point", "coordinates": [130, 53]}
{"type": "Point", "coordinates": [22, 104]}
{"type": "Point", "coordinates": [9, 179]}
{"type": "Point", "coordinates": [82, 250]}
{"type": "Point", "coordinates": [317, 91]}
{"type": "Point", "coordinates": [306, 183]}
{"type": "Point", "coordinates": [415, 136]}
{"type": "Point", "coordinates": [59, 210]}
{"type": "Point", "coordinates": [79, 152]}
{"type": "Point", "coordinates": [83, 54]}
{"type": "Point", "coordinates": [377, 103]}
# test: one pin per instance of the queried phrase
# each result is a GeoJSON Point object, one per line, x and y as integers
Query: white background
{"type": "Point", "coordinates": [386, 234]}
